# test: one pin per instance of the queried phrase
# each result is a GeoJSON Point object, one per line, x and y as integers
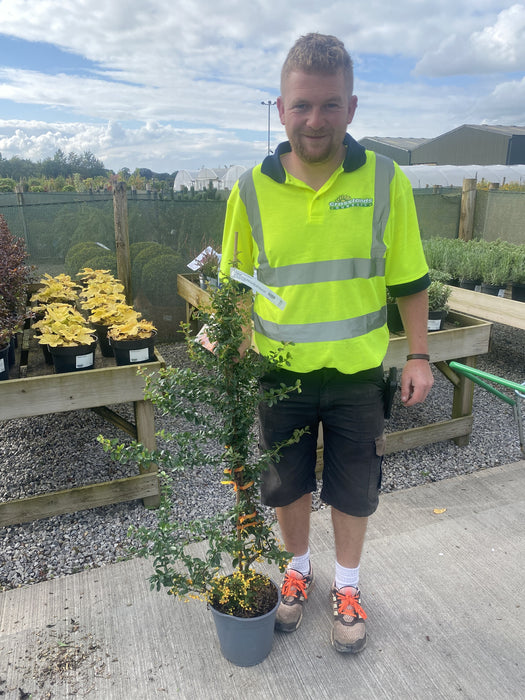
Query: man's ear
{"type": "Point", "coordinates": [352, 106]}
{"type": "Point", "coordinates": [280, 107]}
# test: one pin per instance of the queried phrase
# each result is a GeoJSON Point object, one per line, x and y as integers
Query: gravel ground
{"type": "Point", "coordinates": [58, 451]}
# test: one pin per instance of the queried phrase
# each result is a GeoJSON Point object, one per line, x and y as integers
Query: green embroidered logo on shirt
{"type": "Point", "coordinates": [344, 201]}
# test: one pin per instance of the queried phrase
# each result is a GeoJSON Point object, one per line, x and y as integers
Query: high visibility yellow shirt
{"type": "Point", "coordinates": [328, 254]}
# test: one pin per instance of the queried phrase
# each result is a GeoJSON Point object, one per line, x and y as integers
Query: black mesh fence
{"type": "Point", "coordinates": [66, 231]}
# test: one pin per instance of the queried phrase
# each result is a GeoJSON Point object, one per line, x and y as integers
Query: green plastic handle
{"type": "Point", "coordinates": [477, 376]}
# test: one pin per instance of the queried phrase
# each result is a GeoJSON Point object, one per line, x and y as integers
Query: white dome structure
{"type": "Point", "coordinates": [232, 175]}
{"type": "Point", "coordinates": [184, 178]}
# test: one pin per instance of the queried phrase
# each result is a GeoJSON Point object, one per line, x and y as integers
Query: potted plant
{"type": "Point", "coordinates": [6, 332]}
{"type": "Point", "coordinates": [219, 397]}
{"type": "Point", "coordinates": [121, 331]}
{"type": "Point", "coordinates": [517, 272]}
{"type": "Point", "coordinates": [133, 339]}
{"type": "Point", "coordinates": [495, 267]}
{"type": "Point", "coordinates": [103, 298]}
{"type": "Point", "coordinates": [68, 336]}
{"type": "Point", "coordinates": [438, 296]}
{"type": "Point", "coordinates": [471, 265]}
{"type": "Point", "coordinates": [393, 317]}
{"type": "Point", "coordinates": [55, 290]}
{"type": "Point", "coordinates": [207, 265]}
{"type": "Point", "coordinates": [15, 276]}
{"type": "Point", "coordinates": [455, 250]}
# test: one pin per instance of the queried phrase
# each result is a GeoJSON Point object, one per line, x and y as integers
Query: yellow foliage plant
{"type": "Point", "coordinates": [63, 326]}
{"type": "Point", "coordinates": [58, 289]}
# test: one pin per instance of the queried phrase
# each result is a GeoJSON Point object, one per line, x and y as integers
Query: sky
{"type": "Point", "coordinates": [168, 85]}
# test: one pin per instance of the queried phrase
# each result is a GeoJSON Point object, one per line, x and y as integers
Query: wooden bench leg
{"type": "Point", "coordinates": [463, 399]}
{"type": "Point", "coordinates": [145, 421]}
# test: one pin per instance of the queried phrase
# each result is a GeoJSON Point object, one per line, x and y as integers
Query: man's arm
{"type": "Point", "coordinates": [416, 379]}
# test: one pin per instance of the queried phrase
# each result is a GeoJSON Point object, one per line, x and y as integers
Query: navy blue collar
{"type": "Point", "coordinates": [354, 159]}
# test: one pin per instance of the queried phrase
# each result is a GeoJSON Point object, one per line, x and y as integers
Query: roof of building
{"type": "Point", "coordinates": [404, 143]}
{"type": "Point", "coordinates": [495, 128]}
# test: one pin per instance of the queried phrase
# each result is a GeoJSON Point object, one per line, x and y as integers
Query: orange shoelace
{"type": "Point", "coordinates": [294, 586]}
{"type": "Point", "coordinates": [349, 605]}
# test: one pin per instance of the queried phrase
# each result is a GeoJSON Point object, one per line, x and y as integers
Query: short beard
{"type": "Point", "coordinates": [307, 157]}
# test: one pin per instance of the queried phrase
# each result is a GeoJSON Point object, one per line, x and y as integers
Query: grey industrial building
{"type": "Point", "coordinates": [466, 145]}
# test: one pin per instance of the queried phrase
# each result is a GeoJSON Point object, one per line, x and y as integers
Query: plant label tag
{"type": "Point", "coordinates": [258, 287]}
{"type": "Point", "coordinates": [434, 324]}
{"type": "Point", "coordinates": [141, 355]}
{"type": "Point", "coordinates": [202, 339]}
{"type": "Point", "coordinates": [196, 263]}
{"type": "Point", "coordinates": [2, 365]}
{"type": "Point", "coordinates": [83, 361]}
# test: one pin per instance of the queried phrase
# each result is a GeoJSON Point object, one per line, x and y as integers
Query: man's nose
{"type": "Point", "coordinates": [315, 118]}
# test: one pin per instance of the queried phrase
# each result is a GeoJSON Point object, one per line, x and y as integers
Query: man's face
{"type": "Point", "coordinates": [315, 110]}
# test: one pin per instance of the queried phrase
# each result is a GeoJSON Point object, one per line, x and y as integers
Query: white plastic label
{"type": "Point", "coordinates": [258, 287]}
{"type": "Point", "coordinates": [434, 324]}
{"type": "Point", "coordinates": [82, 361]}
{"type": "Point", "coordinates": [2, 365]}
{"type": "Point", "coordinates": [196, 263]}
{"type": "Point", "coordinates": [141, 355]}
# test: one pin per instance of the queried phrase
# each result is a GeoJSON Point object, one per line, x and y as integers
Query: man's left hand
{"type": "Point", "coordinates": [416, 382]}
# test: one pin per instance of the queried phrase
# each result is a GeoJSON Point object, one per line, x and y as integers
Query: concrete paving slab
{"type": "Point", "coordinates": [443, 593]}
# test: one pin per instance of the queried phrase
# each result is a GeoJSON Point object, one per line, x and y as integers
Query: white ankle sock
{"type": "Point", "coordinates": [301, 564]}
{"type": "Point", "coordinates": [346, 577]}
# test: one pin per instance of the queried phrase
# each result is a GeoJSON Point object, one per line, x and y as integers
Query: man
{"type": "Point", "coordinates": [327, 226]}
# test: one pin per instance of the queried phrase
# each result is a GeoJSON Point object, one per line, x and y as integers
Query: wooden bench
{"type": "Point", "coordinates": [486, 306]}
{"type": "Point", "coordinates": [39, 391]}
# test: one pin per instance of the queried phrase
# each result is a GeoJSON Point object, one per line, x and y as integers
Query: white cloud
{"type": "Point", "coordinates": [497, 47]}
{"type": "Point", "coordinates": [161, 147]}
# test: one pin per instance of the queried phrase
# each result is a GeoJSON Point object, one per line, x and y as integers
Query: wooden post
{"type": "Point", "coordinates": [145, 421]}
{"type": "Point", "coordinates": [463, 398]}
{"type": "Point", "coordinates": [120, 211]}
{"type": "Point", "coordinates": [468, 206]}
{"type": "Point", "coordinates": [20, 201]}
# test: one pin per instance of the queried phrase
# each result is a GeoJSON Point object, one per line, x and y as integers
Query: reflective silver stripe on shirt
{"type": "Point", "coordinates": [326, 331]}
{"type": "Point", "coordinates": [324, 270]}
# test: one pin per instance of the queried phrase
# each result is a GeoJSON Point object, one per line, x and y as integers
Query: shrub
{"type": "Point", "coordinates": [140, 256]}
{"type": "Point", "coordinates": [7, 184]}
{"type": "Point", "coordinates": [15, 276]}
{"type": "Point", "coordinates": [103, 260]}
{"type": "Point", "coordinates": [438, 295]}
{"type": "Point", "coordinates": [78, 254]}
{"type": "Point", "coordinates": [471, 264]}
{"type": "Point", "coordinates": [496, 263]}
{"type": "Point", "coordinates": [159, 279]}
{"type": "Point", "coordinates": [517, 266]}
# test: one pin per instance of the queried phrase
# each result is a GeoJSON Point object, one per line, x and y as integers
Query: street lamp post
{"type": "Point", "coordinates": [269, 104]}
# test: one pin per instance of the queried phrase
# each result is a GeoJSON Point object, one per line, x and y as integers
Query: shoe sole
{"type": "Point", "coordinates": [288, 627]}
{"type": "Point", "coordinates": [348, 648]}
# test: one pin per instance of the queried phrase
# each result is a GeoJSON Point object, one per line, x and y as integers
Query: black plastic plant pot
{"type": "Point", "coordinates": [134, 352]}
{"type": "Point", "coordinates": [73, 358]}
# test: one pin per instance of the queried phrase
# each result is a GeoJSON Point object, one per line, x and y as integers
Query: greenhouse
{"type": "Point", "coordinates": [453, 175]}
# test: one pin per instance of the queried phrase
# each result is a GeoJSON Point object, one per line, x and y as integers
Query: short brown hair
{"type": "Point", "coordinates": [319, 53]}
